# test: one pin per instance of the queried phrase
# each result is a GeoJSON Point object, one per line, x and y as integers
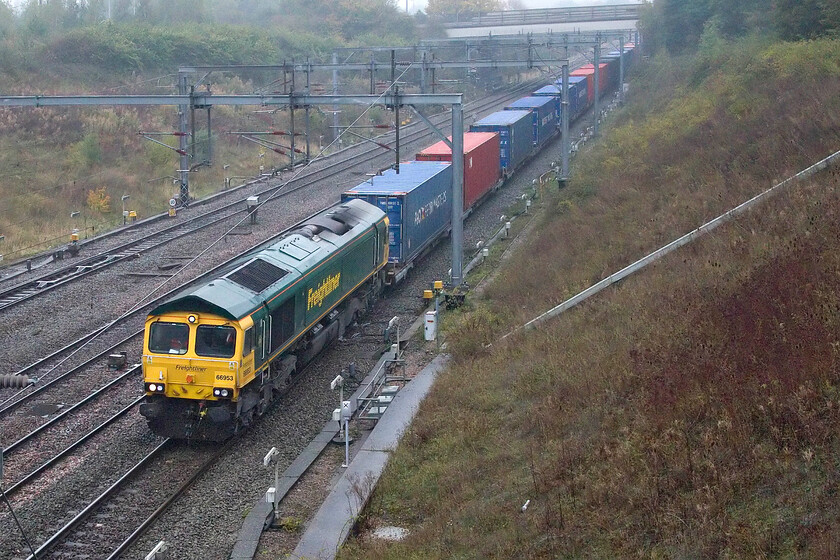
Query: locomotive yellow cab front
{"type": "Point", "coordinates": [192, 358]}
{"type": "Point", "coordinates": [198, 361]}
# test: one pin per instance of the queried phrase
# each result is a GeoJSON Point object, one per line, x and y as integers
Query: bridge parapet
{"type": "Point", "coordinates": [614, 12]}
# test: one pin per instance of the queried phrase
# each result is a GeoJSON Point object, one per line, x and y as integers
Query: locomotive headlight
{"type": "Point", "coordinates": [222, 393]}
{"type": "Point", "coordinates": [155, 387]}
{"type": "Point", "coordinates": [192, 319]}
{"type": "Point", "coordinates": [152, 387]}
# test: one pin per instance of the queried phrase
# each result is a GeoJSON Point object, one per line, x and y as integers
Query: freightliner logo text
{"type": "Point", "coordinates": [314, 298]}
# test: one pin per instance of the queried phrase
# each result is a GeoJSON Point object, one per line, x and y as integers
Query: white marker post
{"type": "Point", "coordinates": [338, 382]}
{"type": "Point", "coordinates": [346, 413]}
{"type": "Point", "coordinates": [271, 457]}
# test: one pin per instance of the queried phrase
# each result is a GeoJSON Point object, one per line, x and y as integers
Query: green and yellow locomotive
{"type": "Point", "coordinates": [214, 356]}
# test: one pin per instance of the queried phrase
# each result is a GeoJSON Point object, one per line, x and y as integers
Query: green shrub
{"type": "Point", "coordinates": [86, 153]}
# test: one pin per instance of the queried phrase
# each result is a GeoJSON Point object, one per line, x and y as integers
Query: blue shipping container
{"type": "Point", "coordinates": [552, 90]}
{"type": "Point", "coordinates": [543, 115]}
{"type": "Point", "coordinates": [515, 136]}
{"type": "Point", "coordinates": [418, 202]}
{"type": "Point", "coordinates": [578, 96]}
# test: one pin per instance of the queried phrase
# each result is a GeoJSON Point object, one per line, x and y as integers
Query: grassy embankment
{"type": "Point", "coordinates": [59, 160]}
{"type": "Point", "coordinates": [55, 161]}
{"type": "Point", "coordinates": [692, 410]}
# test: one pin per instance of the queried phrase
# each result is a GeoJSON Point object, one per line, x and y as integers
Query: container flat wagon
{"type": "Point", "coordinates": [578, 96]}
{"type": "Point", "coordinates": [588, 70]}
{"type": "Point", "coordinates": [515, 129]}
{"type": "Point", "coordinates": [543, 116]}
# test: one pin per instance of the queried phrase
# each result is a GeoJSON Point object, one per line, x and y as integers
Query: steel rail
{"type": "Point", "coordinates": [144, 526]}
{"type": "Point", "coordinates": [129, 250]}
{"type": "Point", "coordinates": [90, 398]}
{"type": "Point", "coordinates": [112, 491]}
{"type": "Point", "coordinates": [48, 384]}
{"type": "Point", "coordinates": [43, 360]}
{"type": "Point", "coordinates": [72, 447]}
{"type": "Point", "coordinates": [81, 516]}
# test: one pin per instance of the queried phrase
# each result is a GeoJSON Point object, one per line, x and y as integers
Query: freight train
{"type": "Point", "coordinates": [216, 355]}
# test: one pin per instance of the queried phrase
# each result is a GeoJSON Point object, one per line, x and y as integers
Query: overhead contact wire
{"type": "Point", "coordinates": [155, 290]}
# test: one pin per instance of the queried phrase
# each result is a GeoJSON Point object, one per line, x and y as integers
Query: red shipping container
{"type": "Point", "coordinates": [481, 162]}
{"type": "Point", "coordinates": [588, 70]}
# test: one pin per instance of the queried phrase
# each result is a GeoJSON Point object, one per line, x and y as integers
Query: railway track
{"type": "Point", "coordinates": [37, 286]}
{"type": "Point", "coordinates": [76, 539]}
{"type": "Point", "coordinates": [83, 377]}
{"type": "Point", "coordinates": [22, 474]}
{"type": "Point", "coordinates": [106, 524]}
{"type": "Point", "coordinates": [63, 394]}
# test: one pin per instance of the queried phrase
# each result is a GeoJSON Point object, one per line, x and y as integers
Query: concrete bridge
{"type": "Point", "coordinates": [580, 14]}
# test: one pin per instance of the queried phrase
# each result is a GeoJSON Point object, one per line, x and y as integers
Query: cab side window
{"type": "Point", "coordinates": [248, 342]}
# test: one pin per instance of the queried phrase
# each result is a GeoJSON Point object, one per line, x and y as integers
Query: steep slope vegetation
{"type": "Point", "coordinates": [690, 411]}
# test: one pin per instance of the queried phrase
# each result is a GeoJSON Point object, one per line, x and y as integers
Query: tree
{"type": "Point", "coordinates": [830, 16]}
{"type": "Point", "coordinates": [678, 25]}
{"type": "Point", "coordinates": [799, 19]}
{"type": "Point", "coordinates": [7, 20]}
{"type": "Point", "coordinates": [347, 19]}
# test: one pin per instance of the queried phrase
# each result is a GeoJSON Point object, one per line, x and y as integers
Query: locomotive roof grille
{"type": "Point", "coordinates": [257, 275]}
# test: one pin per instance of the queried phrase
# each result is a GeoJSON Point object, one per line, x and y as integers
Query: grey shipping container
{"type": "Point", "coordinates": [418, 202]}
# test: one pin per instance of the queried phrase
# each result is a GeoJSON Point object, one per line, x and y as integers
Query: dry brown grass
{"type": "Point", "coordinates": [691, 410]}
{"type": "Point", "coordinates": [52, 158]}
